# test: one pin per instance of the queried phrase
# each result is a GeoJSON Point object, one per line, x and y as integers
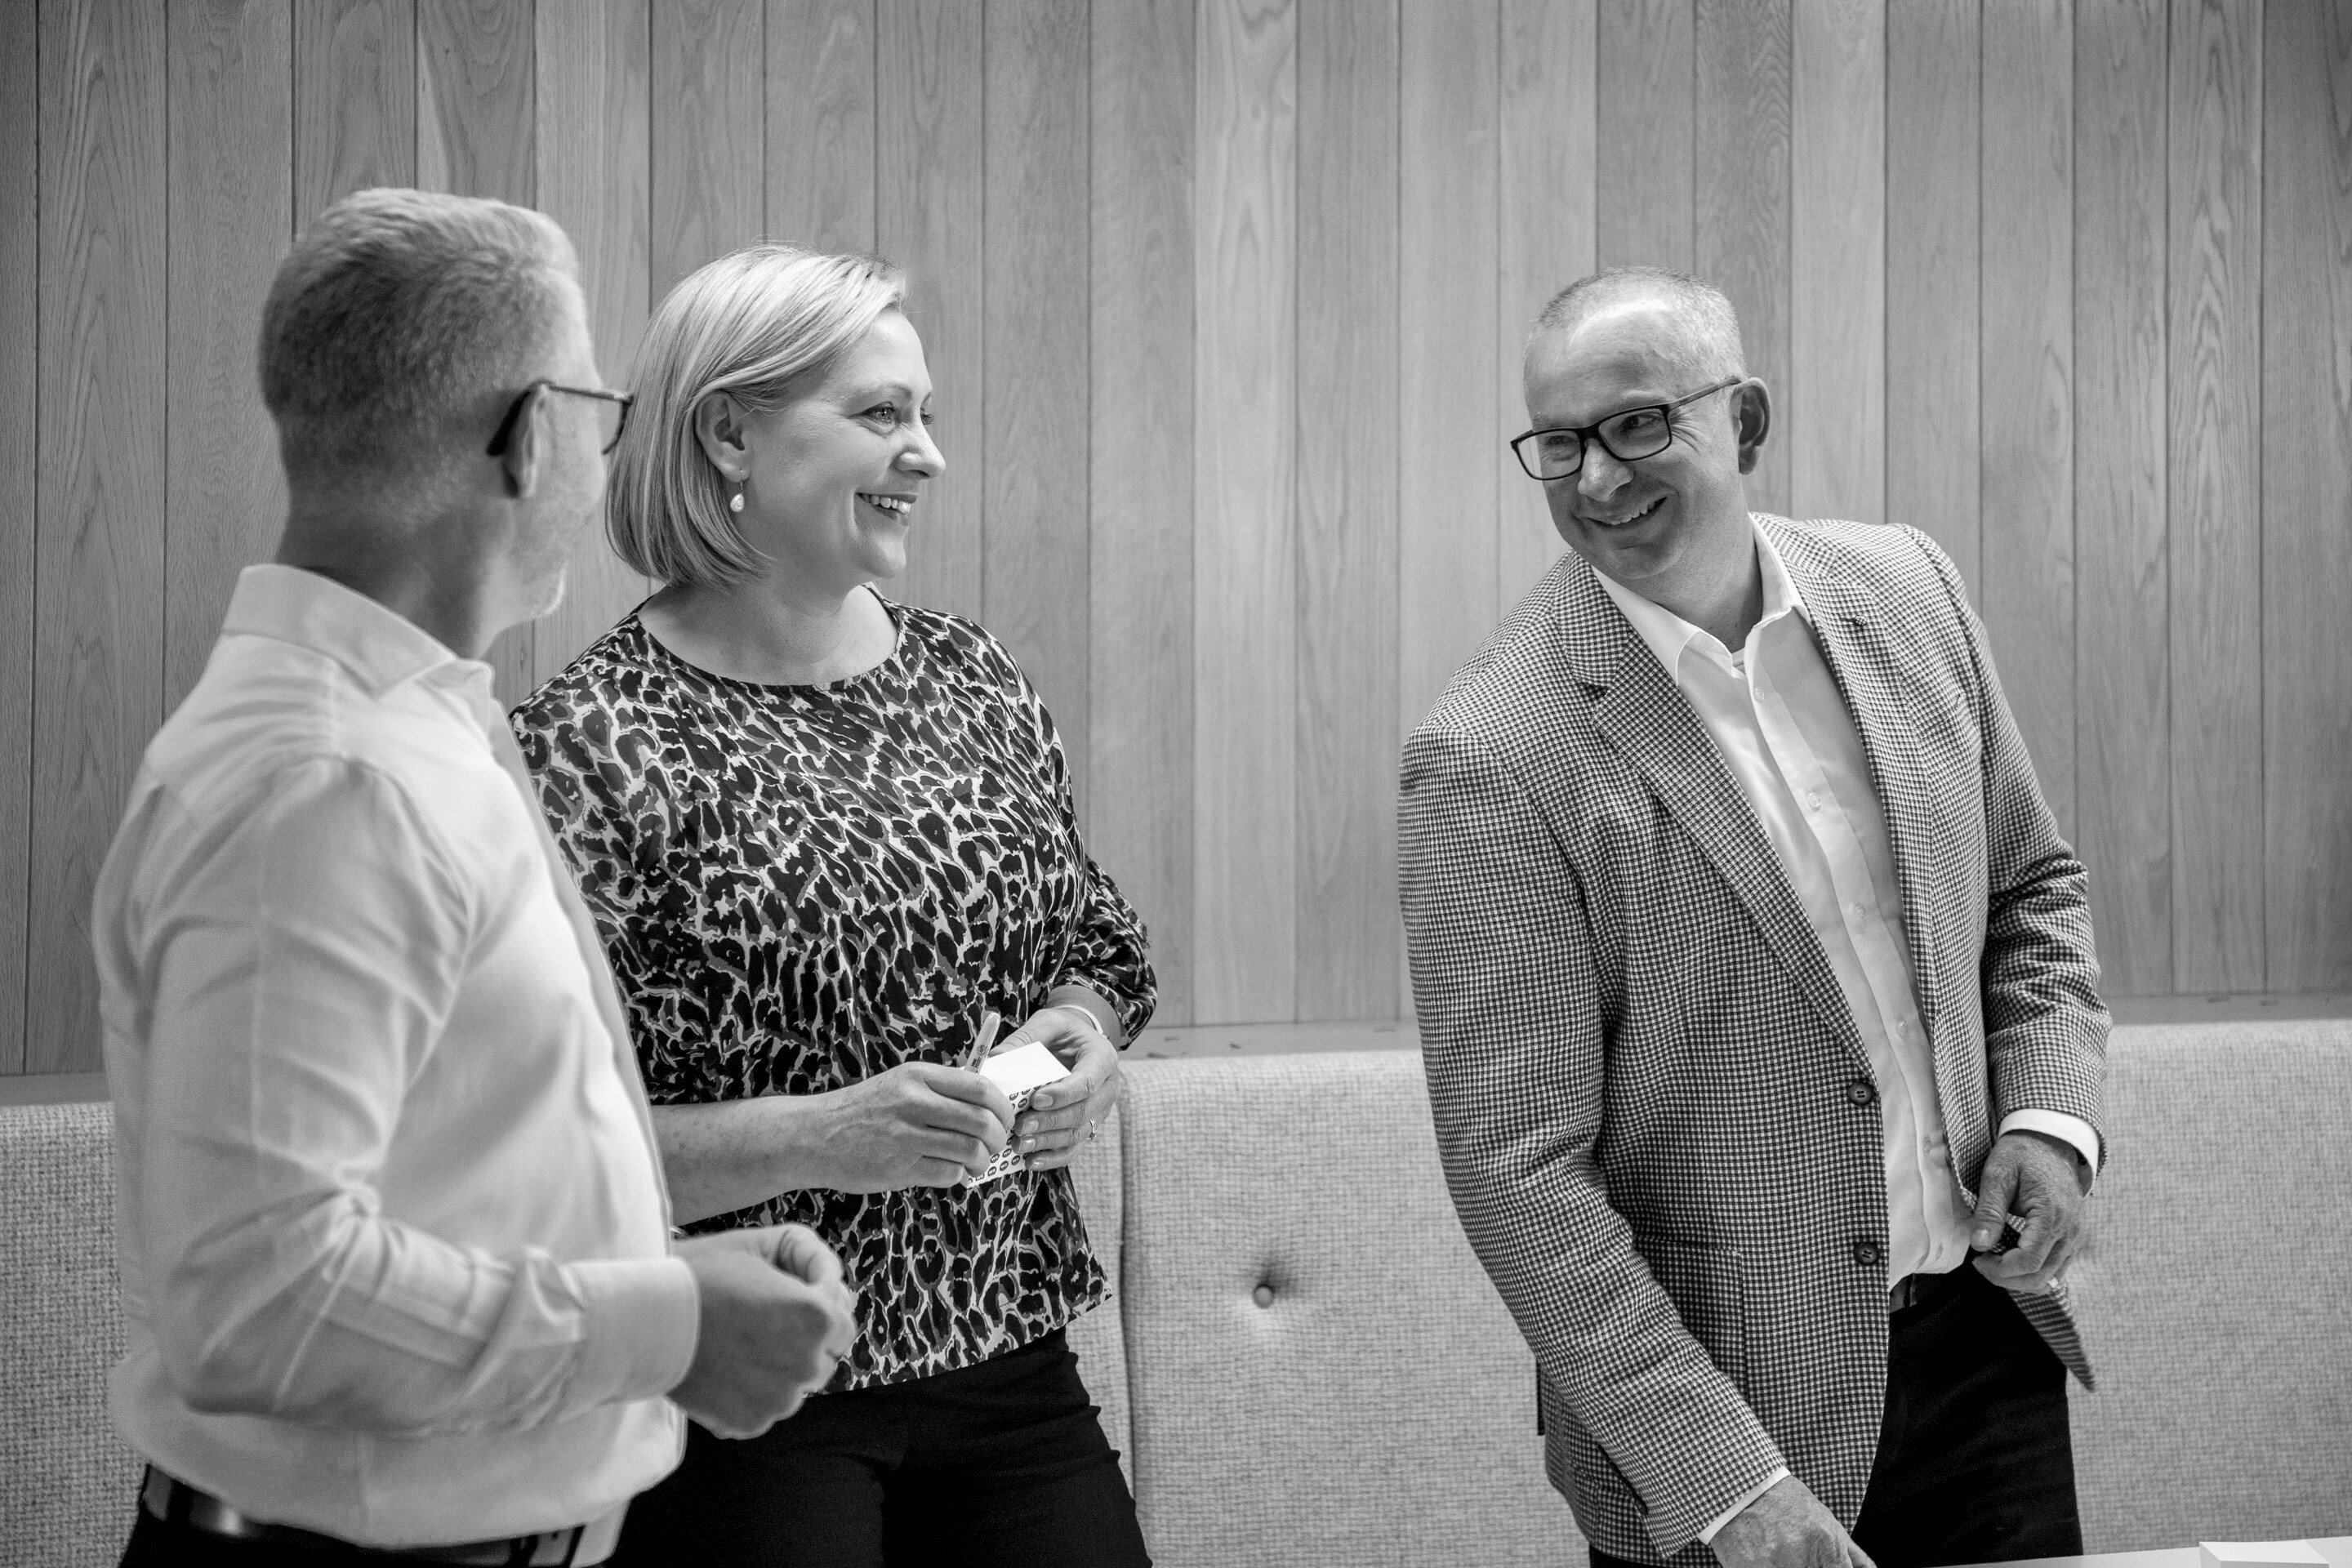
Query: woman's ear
{"type": "Point", "coordinates": [718, 428]}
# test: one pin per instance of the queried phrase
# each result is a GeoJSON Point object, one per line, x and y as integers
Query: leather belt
{"type": "Point", "coordinates": [578, 1546]}
{"type": "Point", "coordinates": [1916, 1289]}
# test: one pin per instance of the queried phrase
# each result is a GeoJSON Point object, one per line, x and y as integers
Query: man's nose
{"type": "Point", "coordinates": [1601, 476]}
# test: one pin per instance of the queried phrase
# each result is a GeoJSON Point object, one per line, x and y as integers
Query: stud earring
{"type": "Point", "coordinates": [736, 505]}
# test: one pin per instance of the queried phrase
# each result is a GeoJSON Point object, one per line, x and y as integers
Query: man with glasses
{"type": "Point", "coordinates": [1756, 994]}
{"type": "Point", "coordinates": [395, 1243]}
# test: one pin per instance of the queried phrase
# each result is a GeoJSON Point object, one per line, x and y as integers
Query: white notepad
{"type": "Point", "coordinates": [2259, 1554]}
{"type": "Point", "coordinates": [1020, 1073]}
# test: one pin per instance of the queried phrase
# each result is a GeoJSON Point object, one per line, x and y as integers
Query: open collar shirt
{"type": "Point", "coordinates": [393, 1236]}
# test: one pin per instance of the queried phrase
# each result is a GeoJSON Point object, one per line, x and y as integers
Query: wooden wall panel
{"type": "Point", "coordinates": [1643, 203]}
{"type": "Point", "coordinates": [2306, 485]}
{"type": "Point", "coordinates": [1740, 240]}
{"type": "Point", "coordinates": [2124, 786]}
{"type": "Point", "coordinates": [1835, 402]}
{"type": "Point", "coordinates": [1246, 539]}
{"type": "Point", "coordinates": [97, 638]}
{"type": "Point", "coordinates": [1351, 940]}
{"type": "Point", "coordinates": [229, 203]}
{"type": "Point", "coordinates": [709, 121]}
{"type": "Point", "coordinates": [20, 332]}
{"type": "Point", "coordinates": [2026, 582]}
{"type": "Point", "coordinates": [821, 124]}
{"type": "Point", "coordinates": [594, 64]}
{"type": "Point", "coordinates": [355, 99]}
{"type": "Point", "coordinates": [1548, 237]}
{"type": "Point", "coordinates": [2215, 494]}
{"type": "Point", "coordinates": [1035, 577]}
{"type": "Point", "coordinates": [928, 218]}
{"type": "Point", "coordinates": [1140, 285]}
{"type": "Point", "coordinates": [1932, 102]}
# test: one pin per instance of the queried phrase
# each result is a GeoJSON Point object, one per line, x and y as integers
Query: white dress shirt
{"type": "Point", "coordinates": [1796, 754]}
{"type": "Point", "coordinates": [392, 1231]}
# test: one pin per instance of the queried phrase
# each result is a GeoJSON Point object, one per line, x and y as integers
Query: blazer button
{"type": "Point", "coordinates": [1861, 1091]}
{"type": "Point", "coordinates": [1866, 1253]}
{"type": "Point", "coordinates": [1263, 1295]}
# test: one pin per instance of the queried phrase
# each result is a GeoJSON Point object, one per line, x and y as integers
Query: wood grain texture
{"type": "Point", "coordinates": [708, 127]}
{"type": "Point", "coordinates": [821, 124]}
{"type": "Point", "coordinates": [2026, 583]}
{"type": "Point", "coordinates": [20, 332]}
{"type": "Point", "coordinates": [2215, 494]}
{"type": "Point", "coordinates": [2307, 494]}
{"type": "Point", "coordinates": [1836, 400]}
{"type": "Point", "coordinates": [1741, 152]}
{"type": "Point", "coordinates": [1034, 365]}
{"type": "Point", "coordinates": [355, 99]}
{"type": "Point", "coordinates": [97, 653]}
{"type": "Point", "coordinates": [594, 71]}
{"type": "Point", "coordinates": [1139, 562]}
{"type": "Point", "coordinates": [1246, 539]}
{"type": "Point", "coordinates": [1645, 203]}
{"type": "Point", "coordinates": [928, 218]}
{"type": "Point", "coordinates": [2124, 786]}
{"type": "Point", "coordinates": [1932, 330]}
{"type": "Point", "coordinates": [229, 203]}
{"type": "Point", "coordinates": [1351, 940]}
{"type": "Point", "coordinates": [1449, 418]}
{"type": "Point", "coordinates": [1548, 237]}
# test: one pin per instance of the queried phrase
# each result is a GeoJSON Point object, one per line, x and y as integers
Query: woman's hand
{"type": "Point", "coordinates": [1066, 1113]}
{"type": "Point", "coordinates": [921, 1124]}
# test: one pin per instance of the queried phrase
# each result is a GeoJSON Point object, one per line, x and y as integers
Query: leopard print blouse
{"type": "Point", "coordinates": [802, 887]}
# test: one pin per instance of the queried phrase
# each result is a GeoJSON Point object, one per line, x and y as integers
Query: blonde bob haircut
{"type": "Point", "coordinates": [763, 325]}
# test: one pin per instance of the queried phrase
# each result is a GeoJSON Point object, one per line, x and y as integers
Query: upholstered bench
{"type": "Point", "coordinates": [1303, 1364]}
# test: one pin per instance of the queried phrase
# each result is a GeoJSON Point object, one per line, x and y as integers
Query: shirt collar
{"type": "Point", "coordinates": [1669, 634]}
{"type": "Point", "coordinates": [380, 647]}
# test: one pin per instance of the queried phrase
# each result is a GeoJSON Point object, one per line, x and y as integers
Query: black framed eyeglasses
{"type": "Point", "coordinates": [1628, 436]}
{"type": "Point", "coordinates": [611, 413]}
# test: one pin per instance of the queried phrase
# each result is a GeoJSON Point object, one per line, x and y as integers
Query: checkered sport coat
{"type": "Point", "coordinates": [1638, 1057]}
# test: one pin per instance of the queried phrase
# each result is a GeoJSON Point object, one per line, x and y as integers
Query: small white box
{"type": "Point", "coordinates": [2261, 1555]}
{"type": "Point", "coordinates": [1020, 1073]}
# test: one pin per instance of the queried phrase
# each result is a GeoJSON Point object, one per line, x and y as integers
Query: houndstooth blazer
{"type": "Point", "coordinates": [1639, 1059]}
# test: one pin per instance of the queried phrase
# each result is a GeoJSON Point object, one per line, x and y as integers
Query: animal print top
{"type": "Point", "coordinates": [802, 887]}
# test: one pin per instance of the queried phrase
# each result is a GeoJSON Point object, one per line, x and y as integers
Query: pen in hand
{"type": "Point", "coordinates": [988, 1024]}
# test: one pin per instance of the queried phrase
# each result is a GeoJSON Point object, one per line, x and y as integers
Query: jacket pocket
{"type": "Point", "coordinates": [1708, 1287]}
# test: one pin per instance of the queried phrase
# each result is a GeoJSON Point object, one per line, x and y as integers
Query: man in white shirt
{"type": "Point", "coordinates": [1756, 993]}
{"type": "Point", "coordinates": [394, 1241]}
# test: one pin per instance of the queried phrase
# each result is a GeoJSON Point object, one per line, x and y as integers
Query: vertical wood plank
{"type": "Point", "coordinates": [1035, 576]}
{"type": "Point", "coordinates": [1648, 114]}
{"type": "Point", "coordinates": [594, 64]}
{"type": "Point", "coordinates": [1549, 223]}
{"type": "Point", "coordinates": [928, 218]}
{"type": "Point", "coordinates": [20, 332]}
{"type": "Point", "coordinates": [1140, 282]}
{"type": "Point", "coordinates": [1932, 143]}
{"type": "Point", "coordinates": [709, 118]}
{"type": "Point", "coordinates": [2123, 790]}
{"type": "Point", "coordinates": [355, 99]}
{"type": "Point", "coordinates": [1836, 399]}
{"type": "Point", "coordinates": [98, 655]}
{"type": "Point", "coordinates": [1740, 237]}
{"type": "Point", "coordinates": [475, 123]}
{"type": "Point", "coordinates": [819, 133]}
{"type": "Point", "coordinates": [1246, 610]}
{"type": "Point", "coordinates": [2026, 587]}
{"type": "Point", "coordinates": [1349, 936]}
{"type": "Point", "coordinates": [1448, 417]}
{"type": "Point", "coordinates": [229, 202]}
{"type": "Point", "coordinates": [2307, 494]}
{"type": "Point", "coordinates": [2215, 494]}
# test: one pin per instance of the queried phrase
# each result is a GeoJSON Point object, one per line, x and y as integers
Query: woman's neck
{"type": "Point", "coordinates": [757, 632]}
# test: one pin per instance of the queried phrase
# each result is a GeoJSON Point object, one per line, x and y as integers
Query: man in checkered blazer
{"type": "Point", "coordinates": [1756, 994]}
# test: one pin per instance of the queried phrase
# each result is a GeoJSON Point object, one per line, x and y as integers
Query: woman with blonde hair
{"type": "Point", "coordinates": [824, 834]}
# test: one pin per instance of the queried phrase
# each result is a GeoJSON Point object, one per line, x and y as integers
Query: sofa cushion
{"type": "Point", "coordinates": [1320, 1373]}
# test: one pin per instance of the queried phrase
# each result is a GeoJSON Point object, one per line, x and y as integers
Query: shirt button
{"type": "Point", "coordinates": [1866, 1253]}
{"type": "Point", "coordinates": [1861, 1091]}
{"type": "Point", "coordinates": [1814, 800]}
{"type": "Point", "coordinates": [1263, 1295]}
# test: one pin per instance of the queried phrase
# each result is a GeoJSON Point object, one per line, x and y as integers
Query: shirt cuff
{"type": "Point", "coordinates": [2073, 1130]}
{"type": "Point", "coordinates": [645, 1317]}
{"type": "Point", "coordinates": [1733, 1511]}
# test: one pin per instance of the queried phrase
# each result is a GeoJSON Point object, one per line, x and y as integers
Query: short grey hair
{"type": "Point", "coordinates": [402, 320]}
{"type": "Point", "coordinates": [763, 325]}
{"type": "Point", "coordinates": [1709, 348]}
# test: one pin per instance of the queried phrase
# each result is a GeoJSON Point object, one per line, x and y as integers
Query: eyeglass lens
{"type": "Point", "coordinates": [1635, 432]}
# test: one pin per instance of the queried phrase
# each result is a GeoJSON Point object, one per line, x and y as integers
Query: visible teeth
{"type": "Point", "coordinates": [1629, 517]}
{"type": "Point", "coordinates": [889, 504]}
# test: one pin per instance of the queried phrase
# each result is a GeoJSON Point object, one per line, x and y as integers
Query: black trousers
{"type": "Point", "coordinates": [998, 1463]}
{"type": "Point", "coordinates": [1974, 1461]}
